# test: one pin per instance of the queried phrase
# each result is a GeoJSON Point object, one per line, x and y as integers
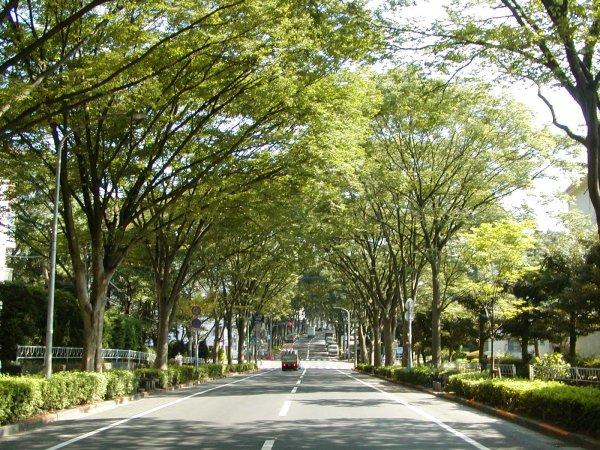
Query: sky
{"type": "Point", "coordinates": [544, 198]}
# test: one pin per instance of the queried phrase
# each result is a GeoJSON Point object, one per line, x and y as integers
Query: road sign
{"type": "Point", "coordinates": [196, 310]}
{"type": "Point", "coordinates": [196, 323]}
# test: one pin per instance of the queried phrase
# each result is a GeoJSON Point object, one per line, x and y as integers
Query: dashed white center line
{"type": "Point", "coordinates": [294, 390]}
{"type": "Point", "coordinates": [285, 408]}
{"type": "Point", "coordinates": [268, 445]}
{"type": "Point", "coordinates": [299, 381]}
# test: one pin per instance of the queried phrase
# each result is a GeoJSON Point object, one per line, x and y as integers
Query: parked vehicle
{"type": "Point", "coordinates": [330, 340]}
{"type": "Point", "coordinates": [289, 360]}
{"type": "Point", "coordinates": [333, 350]}
{"type": "Point", "coordinates": [289, 339]}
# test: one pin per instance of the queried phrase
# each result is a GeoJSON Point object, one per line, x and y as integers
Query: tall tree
{"type": "Point", "coordinates": [549, 42]}
{"type": "Point", "coordinates": [136, 151]}
{"type": "Point", "coordinates": [460, 151]}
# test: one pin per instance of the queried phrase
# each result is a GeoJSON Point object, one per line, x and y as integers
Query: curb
{"type": "Point", "coordinates": [536, 425]}
{"type": "Point", "coordinates": [79, 412]}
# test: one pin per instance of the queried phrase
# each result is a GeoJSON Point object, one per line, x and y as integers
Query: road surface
{"type": "Point", "coordinates": [324, 405]}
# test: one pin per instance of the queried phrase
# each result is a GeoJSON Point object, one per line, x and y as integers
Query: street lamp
{"type": "Point", "coordinates": [409, 315]}
{"type": "Point", "coordinates": [50, 310]}
{"type": "Point", "coordinates": [348, 335]}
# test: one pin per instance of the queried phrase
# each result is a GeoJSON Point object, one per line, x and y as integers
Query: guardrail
{"type": "Point", "coordinates": [115, 354]}
{"type": "Point", "coordinates": [583, 375]}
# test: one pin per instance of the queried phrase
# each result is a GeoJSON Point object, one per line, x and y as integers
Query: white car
{"type": "Point", "coordinates": [329, 340]}
{"type": "Point", "coordinates": [333, 350]}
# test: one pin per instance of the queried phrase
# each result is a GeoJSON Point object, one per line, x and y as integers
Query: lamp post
{"type": "Point", "coordinates": [50, 310]}
{"type": "Point", "coordinates": [347, 334]}
{"type": "Point", "coordinates": [409, 316]}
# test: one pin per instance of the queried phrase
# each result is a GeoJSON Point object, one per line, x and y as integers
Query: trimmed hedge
{"type": "Point", "coordinates": [120, 383]}
{"type": "Point", "coordinates": [25, 396]}
{"type": "Point", "coordinates": [22, 397]}
{"type": "Point", "coordinates": [573, 407]}
{"type": "Point", "coordinates": [419, 375]}
{"type": "Point", "coordinates": [19, 397]}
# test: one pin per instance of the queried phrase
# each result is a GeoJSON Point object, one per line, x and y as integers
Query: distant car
{"type": "Point", "coordinates": [289, 339]}
{"type": "Point", "coordinates": [289, 360]}
{"type": "Point", "coordinates": [329, 340]}
{"type": "Point", "coordinates": [333, 350]}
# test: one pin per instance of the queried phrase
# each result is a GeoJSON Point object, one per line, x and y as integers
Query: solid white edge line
{"type": "Point", "coordinates": [149, 411]}
{"type": "Point", "coordinates": [285, 408]}
{"type": "Point", "coordinates": [268, 445]}
{"type": "Point", "coordinates": [294, 390]}
{"type": "Point", "coordinates": [303, 372]}
{"type": "Point", "coordinates": [422, 413]}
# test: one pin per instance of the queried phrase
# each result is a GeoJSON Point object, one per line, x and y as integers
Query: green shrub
{"type": "Point", "coordinates": [551, 366]}
{"type": "Point", "coordinates": [573, 407]}
{"type": "Point", "coordinates": [592, 362]}
{"type": "Point", "coordinates": [241, 367]}
{"type": "Point", "coordinates": [163, 376]}
{"type": "Point", "coordinates": [120, 383]}
{"type": "Point", "coordinates": [213, 370]}
{"type": "Point", "coordinates": [69, 389]}
{"type": "Point", "coordinates": [20, 397]}
{"type": "Point", "coordinates": [87, 387]}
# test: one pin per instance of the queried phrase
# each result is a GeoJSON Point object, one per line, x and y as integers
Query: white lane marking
{"type": "Point", "coordinates": [308, 350]}
{"type": "Point", "coordinates": [295, 389]}
{"type": "Point", "coordinates": [303, 372]}
{"type": "Point", "coordinates": [268, 445]}
{"type": "Point", "coordinates": [299, 381]}
{"type": "Point", "coordinates": [149, 411]}
{"type": "Point", "coordinates": [422, 413]}
{"type": "Point", "coordinates": [285, 408]}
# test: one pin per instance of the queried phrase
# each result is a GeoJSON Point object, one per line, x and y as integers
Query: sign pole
{"type": "Point", "coordinates": [196, 350]}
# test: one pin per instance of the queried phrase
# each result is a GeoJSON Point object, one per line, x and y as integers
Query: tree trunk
{"type": "Point", "coordinates": [525, 348]}
{"type": "Point", "coordinates": [162, 346]}
{"type": "Point", "coordinates": [217, 341]}
{"type": "Point", "coordinates": [389, 333]}
{"type": "Point", "coordinates": [229, 324]}
{"type": "Point", "coordinates": [589, 107]}
{"type": "Point", "coordinates": [536, 347]}
{"type": "Point", "coordinates": [482, 336]}
{"type": "Point", "coordinates": [572, 336]}
{"type": "Point", "coordinates": [363, 344]}
{"type": "Point", "coordinates": [436, 329]}
{"type": "Point", "coordinates": [93, 326]}
{"type": "Point", "coordinates": [241, 327]}
{"type": "Point", "coordinates": [376, 342]}
{"type": "Point", "coordinates": [92, 305]}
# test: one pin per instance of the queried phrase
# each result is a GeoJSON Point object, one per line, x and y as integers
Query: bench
{"type": "Point", "coordinates": [148, 383]}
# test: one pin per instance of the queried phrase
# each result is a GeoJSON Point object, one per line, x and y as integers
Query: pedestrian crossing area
{"type": "Point", "coordinates": [326, 364]}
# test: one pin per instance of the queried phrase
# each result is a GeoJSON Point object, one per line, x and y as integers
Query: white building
{"type": "Point", "coordinates": [512, 347]}
{"type": "Point", "coordinates": [586, 345]}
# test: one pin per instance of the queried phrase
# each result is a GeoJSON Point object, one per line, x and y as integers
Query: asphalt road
{"type": "Point", "coordinates": [324, 405]}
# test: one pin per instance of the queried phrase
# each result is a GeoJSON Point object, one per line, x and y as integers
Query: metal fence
{"type": "Point", "coordinates": [506, 370]}
{"type": "Point", "coordinates": [26, 352]}
{"type": "Point", "coordinates": [579, 375]}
